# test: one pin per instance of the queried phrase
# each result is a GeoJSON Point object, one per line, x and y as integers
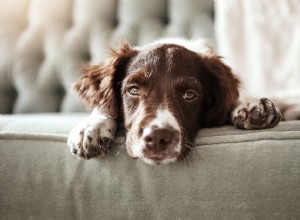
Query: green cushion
{"type": "Point", "coordinates": [231, 174]}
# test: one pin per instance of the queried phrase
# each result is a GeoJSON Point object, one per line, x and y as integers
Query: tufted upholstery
{"type": "Point", "coordinates": [43, 44]}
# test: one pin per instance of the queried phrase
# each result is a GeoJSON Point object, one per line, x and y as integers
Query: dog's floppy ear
{"type": "Point", "coordinates": [221, 90]}
{"type": "Point", "coordinates": [100, 85]}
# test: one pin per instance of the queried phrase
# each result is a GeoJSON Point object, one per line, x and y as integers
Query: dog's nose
{"type": "Point", "coordinates": [159, 139]}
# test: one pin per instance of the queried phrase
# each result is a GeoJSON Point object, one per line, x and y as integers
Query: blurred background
{"type": "Point", "coordinates": [43, 44]}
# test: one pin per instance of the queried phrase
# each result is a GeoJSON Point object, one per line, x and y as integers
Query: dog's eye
{"type": "Point", "coordinates": [134, 91]}
{"type": "Point", "coordinates": [189, 95]}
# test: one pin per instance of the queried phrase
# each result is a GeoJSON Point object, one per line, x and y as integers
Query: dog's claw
{"type": "Point", "coordinates": [259, 114]}
{"type": "Point", "coordinates": [91, 138]}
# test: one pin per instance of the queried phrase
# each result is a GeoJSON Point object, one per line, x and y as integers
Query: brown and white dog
{"type": "Point", "coordinates": [163, 93]}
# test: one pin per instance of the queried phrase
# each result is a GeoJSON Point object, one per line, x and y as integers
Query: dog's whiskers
{"type": "Point", "coordinates": [189, 147]}
{"type": "Point", "coordinates": [122, 147]}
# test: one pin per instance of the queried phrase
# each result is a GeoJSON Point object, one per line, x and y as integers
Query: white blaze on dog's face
{"type": "Point", "coordinates": [159, 141]}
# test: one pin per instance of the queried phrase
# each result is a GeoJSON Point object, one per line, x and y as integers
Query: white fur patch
{"type": "Point", "coordinates": [163, 162]}
{"type": "Point", "coordinates": [135, 142]}
{"type": "Point", "coordinates": [164, 119]}
{"type": "Point", "coordinates": [89, 130]}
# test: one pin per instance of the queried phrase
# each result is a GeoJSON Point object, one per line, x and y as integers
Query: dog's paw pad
{"type": "Point", "coordinates": [257, 114]}
{"type": "Point", "coordinates": [90, 139]}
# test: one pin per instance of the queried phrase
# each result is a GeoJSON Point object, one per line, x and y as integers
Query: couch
{"type": "Point", "coordinates": [231, 173]}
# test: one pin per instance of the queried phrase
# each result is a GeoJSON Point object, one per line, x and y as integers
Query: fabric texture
{"type": "Point", "coordinates": [255, 177]}
{"type": "Point", "coordinates": [231, 173]}
{"type": "Point", "coordinates": [45, 44]}
{"type": "Point", "coordinates": [261, 41]}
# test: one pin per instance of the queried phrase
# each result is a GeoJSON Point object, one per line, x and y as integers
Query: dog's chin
{"type": "Point", "coordinates": [154, 159]}
{"type": "Point", "coordinates": [137, 150]}
{"type": "Point", "coordinates": [158, 160]}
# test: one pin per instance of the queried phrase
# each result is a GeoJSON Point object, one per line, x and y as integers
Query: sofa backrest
{"type": "Point", "coordinates": [44, 44]}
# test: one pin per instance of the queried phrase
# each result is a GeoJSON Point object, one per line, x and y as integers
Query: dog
{"type": "Point", "coordinates": [162, 94]}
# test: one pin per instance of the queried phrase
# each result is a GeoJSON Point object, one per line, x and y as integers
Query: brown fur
{"type": "Point", "coordinates": [163, 75]}
{"type": "Point", "coordinates": [99, 86]}
{"type": "Point", "coordinates": [221, 91]}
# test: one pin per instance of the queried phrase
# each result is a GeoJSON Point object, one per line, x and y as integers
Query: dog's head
{"type": "Point", "coordinates": [164, 94]}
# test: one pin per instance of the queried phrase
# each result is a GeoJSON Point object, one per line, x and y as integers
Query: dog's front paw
{"type": "Point", "coordinates": [91, 137]}
{"type": "Point", "coordinates": [257, 114]}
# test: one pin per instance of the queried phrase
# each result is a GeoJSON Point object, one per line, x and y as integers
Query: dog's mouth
{"type": "Point", "coordinates": [156, 158]}
{"type": "Point", "coordinates": [155, 152]}
{"type": "Point", "coordinates": [158, 141]}
{"type": "Point", "coordinates": [159, 159]}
